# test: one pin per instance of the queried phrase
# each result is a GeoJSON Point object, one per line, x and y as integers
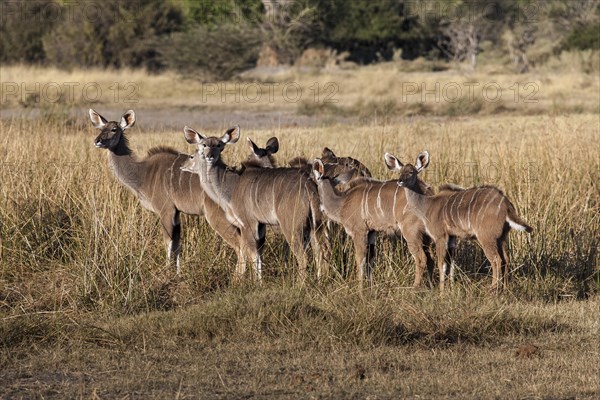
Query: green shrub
{"type": "Point", "coordinates": [116, 35]}
{"type": "Point", "coordinates": [583, 38]}
{"type": "Point", "coordinates": [214, 54]}
{"type": "Point", "coordinates": [23, 24]}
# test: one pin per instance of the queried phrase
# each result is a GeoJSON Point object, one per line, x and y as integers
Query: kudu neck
{"type": "Point", "coordinates": [418, 201]}
{"type": "Point", "coordinates": [421, 187]}
{"type": "Point", "coordinates": [122, 147]}
{"type": "Point", "coordinates": [218, 181]}
{"type": "Point", "coordinates": [125, 166]}
{"type": "Point", "coordinates": [330, 198]}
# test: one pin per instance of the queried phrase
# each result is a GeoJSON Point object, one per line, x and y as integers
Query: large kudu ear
{"type": "Point", "coordinates": [255, 149]}
{"type": "Point", "coordinates": [191, 136]}
{"type": "Point", "coordinates": [127, 120]}
{"type": "Point", "coordinates": [272, 145]}
{"type": "Point", "coordinates": [422, 161]}
{"type": "Point", "coordinates": [318, 169]}
{"type": "Point", "coordinates": [392, 162]}
{"type": "Point", "coordinates": [97, 120]}
{"type": "Point", "coordinates": [329, 156]}
{"type": "Point", "coordinates": [231, 135]}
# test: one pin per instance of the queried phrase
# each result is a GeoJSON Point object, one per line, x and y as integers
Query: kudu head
{"type": "Point", "coordinates": [321, 173]}
{"type": "Point", "coordinates": [262, 157]}
{"type": "Point", "coordinates": [209, 148]}
{"type": "Point", "coordinates": [111, 132]}
{"type": "Point", "coordinates": [328, 157]}
{"type": "Point", "coordinates": [408, 173]}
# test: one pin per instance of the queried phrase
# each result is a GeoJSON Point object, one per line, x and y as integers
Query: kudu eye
{"type": "Point", "coordinates": [113, 130]}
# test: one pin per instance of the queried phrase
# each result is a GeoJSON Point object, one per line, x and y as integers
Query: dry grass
{"type": "Point", "coordinates": [88, 308]}
{"type": "Point", "coordinates": [377, 92]}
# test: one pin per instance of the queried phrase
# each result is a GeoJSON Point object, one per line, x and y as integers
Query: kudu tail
{"type": "Point", "coordinates": [517, 222]}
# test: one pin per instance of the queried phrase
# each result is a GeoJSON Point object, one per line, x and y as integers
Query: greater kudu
{"type": "Point", "coordinates": [256, 197]}
{"type": "Point", "coordinates": [484, 213]}
{"type": "Point", "coordinates": [160, 184]}
{"type": "Point", "coordinates": [371, 206]}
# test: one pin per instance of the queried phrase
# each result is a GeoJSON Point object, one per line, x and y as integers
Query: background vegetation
{"type": "Point", "coordinates": [185, 34]}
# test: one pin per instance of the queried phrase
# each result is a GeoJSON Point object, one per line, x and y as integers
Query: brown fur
{"type": "Point", "coordinates": [162, 149]}
{"type": "Point", "coordinates": [159, 184]}
{"type": "Point", "coordinates": [284, 197]}
{"type": "Point", "coordinates": [483, 213]}
{"type": "Point", "coordinates": [371, 206]}
{"type": "Point", "coordinates": [346, 167]}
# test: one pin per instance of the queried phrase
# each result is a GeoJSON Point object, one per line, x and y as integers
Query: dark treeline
{"type": "Point", "coordinates": [223, 37]}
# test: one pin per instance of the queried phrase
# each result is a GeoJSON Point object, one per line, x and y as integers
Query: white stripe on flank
{"type": "Point", "coordinates": [481, 209]}
{"type": "Point", "coordinates": [489, 202]}
{"type": "Point", "coordinates": [273, 198]}
{"type": "Point", "coordinates": [366, 202]}
{"type": "Point", "coordinates": [394, 205]}
{"type": "Point", "coordinates": [180, 173]}
{"type": "Point", "coordinates": [255, 198]}
{"type": "Point", "coordinates": [379, 200]}
{"type": "Point", "coordinates": [470, 203]}
{"type": "Point", "coordinates": [500, 204]}
{"type": "Point", "coordinates": [458, 213]}
{"type": "Point", "coordinates": [171, 187]}
{"type": "Point", "coordinates": [455, 196]}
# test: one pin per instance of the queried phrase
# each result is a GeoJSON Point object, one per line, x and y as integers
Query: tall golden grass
{"type": "Point", "coordinates": [63, 213]}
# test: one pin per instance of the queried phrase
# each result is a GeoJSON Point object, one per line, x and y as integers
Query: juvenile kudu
{"type": "Point", "coordinates": [257, 197]}
{"type": "Point", "coordinates": [160, 184]}
{"type": "Point", "coordinates": [371, 206]}
{"type": "Point", "coordinates": [335, 166]}
{"type": "Point", "coordinates": [483, 213]}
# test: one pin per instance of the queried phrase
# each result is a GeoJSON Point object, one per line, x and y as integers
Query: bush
{"type": "Point", "coordinates": [116, 35]}
{"type": "Point", "coordinates": [583, 38]}
{"type": "Point", "coordinates": [23, 24]}
{"type": "Point", "coordinates": [213, 54]}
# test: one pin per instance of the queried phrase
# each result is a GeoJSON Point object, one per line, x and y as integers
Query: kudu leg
{"type": "Point", "coordinates": [229, 233]}
{"type": "Point", "coordinates": [441, 247]}
{"type": "Point", "coordinates": [321, 250]}
{"type": "Point", "coordinates": [295, 237]}
{"type": "Point", "coordinates": [451, 259]}
{"type": "Point", "coordinates": [490, 248]}
{"type": "Point", "coordinates": [250, 246]}
{"type": "Point", "coordinates": [503, 246]}
{"type": "Point", "coordinates": [360, 254]}
{"type": "Point", "coordinates": [171, 225]}
{"type": "Point", "coordinates": [415, 247]}
{"type": "Point", "coordinates": [371, 238]}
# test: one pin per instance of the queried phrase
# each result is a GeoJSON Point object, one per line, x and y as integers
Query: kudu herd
{"type": "Point", "coordinates": [240, 202]}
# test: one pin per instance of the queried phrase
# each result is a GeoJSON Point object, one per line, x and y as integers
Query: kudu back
{"type": "Point", "coordinates": [159, 183]}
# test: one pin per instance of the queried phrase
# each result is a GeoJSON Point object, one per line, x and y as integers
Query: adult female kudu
{"type": "Point", "coordinates": [285, 197]}
{"type": "Point", "coordinates": [483, 212]}
{"type": "Point", "coordinates": [371, 206]}
{"type": "Point", "coordinates": [160, 184]}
